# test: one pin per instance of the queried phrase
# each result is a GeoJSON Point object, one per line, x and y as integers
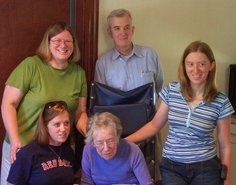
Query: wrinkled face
{"type": "Point", "coordinates": [121, 31]}
{"type": "Point", "coordinates": [197, 67]}
{"type": "Point", "coordinates": [61, 46]}
{"type": "Point", "coordinates": [59, 129]}
{"type": "Point", "coordinates": [106, 142]}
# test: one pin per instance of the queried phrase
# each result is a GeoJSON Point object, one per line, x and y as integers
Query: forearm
{"type": "Point", "coordinates": [225, 158]}
{"type": "Point", "coordinates": [147, 131]}
{"type": "Point", "coordinates": [81, 124]}
{"type": "Point", "coordinates": [223, 129]}
{"type": "Point", "coordinates": [81, 115]}
{"type": "Point", "coordinates": [9, 116]}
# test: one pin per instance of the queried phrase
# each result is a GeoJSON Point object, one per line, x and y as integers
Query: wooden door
{"type": "Point", "coordinates": [23, 24]}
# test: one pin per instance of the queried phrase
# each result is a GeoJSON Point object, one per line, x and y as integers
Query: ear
{"type": "Point", "coordinates": [133, 28]}
{"type": "Point", "coordinates": [109, 32]}
{"type": "Point", "coordinates": [213, 65]}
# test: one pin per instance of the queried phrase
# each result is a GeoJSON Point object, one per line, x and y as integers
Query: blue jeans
{"type": "Point", "coordinates": [200, 173]}
{"type": "Point", "coordinates": [6, 164]}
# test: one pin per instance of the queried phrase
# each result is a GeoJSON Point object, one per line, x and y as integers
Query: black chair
{"type": "Point", "coordinates": [134, 108]}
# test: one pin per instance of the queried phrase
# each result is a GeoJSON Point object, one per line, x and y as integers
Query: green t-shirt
{"type": "Point", "coordinates": [42, 83]}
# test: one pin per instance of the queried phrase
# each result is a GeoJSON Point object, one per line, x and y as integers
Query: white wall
{"type": "Point", "coordinates": [170, 25]}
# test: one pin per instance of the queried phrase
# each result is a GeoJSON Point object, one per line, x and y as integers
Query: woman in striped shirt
{"type": "Point", "coordinates": [193, 108]}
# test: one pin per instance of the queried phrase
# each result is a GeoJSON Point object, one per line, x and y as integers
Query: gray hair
{"type": "Point", "coordinates": [119, 13]}
{"type": "Point", "coordinates": [99, 120]}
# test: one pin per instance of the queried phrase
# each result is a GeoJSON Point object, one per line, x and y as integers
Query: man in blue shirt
{"type": "Point", "coordinates": [127, 66]}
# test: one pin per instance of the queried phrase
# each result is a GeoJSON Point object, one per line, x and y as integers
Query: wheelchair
{"type": "Point", "coordinates": [134, 108]}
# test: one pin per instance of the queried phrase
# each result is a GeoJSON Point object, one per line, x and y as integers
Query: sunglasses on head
{"type": "Point", "coordinates": [55, 104]}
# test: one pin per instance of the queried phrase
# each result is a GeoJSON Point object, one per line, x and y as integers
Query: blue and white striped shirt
{"type": "Point", "coordinates": [191, 132]}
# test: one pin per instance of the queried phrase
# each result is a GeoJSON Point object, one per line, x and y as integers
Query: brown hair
{"type": "Point", "coordinates": [44, 51]}
{"type": "Point", "coordinates": [50, 111]}
{"type": "Point", "coordinates": [210, 91]}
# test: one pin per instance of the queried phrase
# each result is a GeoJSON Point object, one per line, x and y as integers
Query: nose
{"type": "Point", "coordinates": [106, 147]}
{"type": "Point", "coordinates": [196, 68]}
{"type": "Point", "coordinates": [123, 31]}
{"type": "Point", "coordinates": [63, 43]}
{"type": "Point", "coordinates": [62, 127]}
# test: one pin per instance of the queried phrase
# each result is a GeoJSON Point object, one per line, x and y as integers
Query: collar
{"type": "Point", "coordinates": [136, 51]}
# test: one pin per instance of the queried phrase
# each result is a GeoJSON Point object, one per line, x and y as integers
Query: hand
{"type": "Point", "coordinates": [15, 147]}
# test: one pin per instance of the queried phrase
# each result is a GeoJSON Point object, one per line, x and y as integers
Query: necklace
{"type": "Point", "coordinates": [58, 155]}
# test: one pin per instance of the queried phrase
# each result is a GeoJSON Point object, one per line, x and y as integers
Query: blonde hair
{"type": "Point", "coordinates": [44, 51]}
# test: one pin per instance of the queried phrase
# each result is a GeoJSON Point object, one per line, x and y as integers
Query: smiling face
{"type": "Point", "coordinates": [61, 47]}
{"type": "Point", "coordinates": [197, 67]}
{"type": "Point", "coordinates": [59, 129]}
{"type": "Point", "coordinates": [106, 141]}
{"type": "Point", "coordinates": [121, 31]}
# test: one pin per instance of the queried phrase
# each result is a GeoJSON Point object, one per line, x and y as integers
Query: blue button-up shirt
{"type": "Point", "coordinates": [128, 72]}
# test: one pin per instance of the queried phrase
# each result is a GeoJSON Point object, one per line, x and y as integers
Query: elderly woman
{"type": "Point", "coordinates": [107, 159]}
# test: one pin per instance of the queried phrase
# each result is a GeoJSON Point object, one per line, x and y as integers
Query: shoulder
{"type": "Point", "coordinates": [76, 68]}
{"type": "Point", "coordinates": [66, 146]}
{"type": "Point", "coordinates": [221, 99]}
{"type": "Point", "coordinates": [88, 148]}
{"type": "Point", "coordinates": [130, 146]}
{"type": "Point", "coordinates": [30, 64]}
{"type": "Point", "coordinates": [174, 85]}
{"type": "Point", "coordinates": [144, 50]}
{"type": "Point", "coordinates": [32, 60]}
{"type": "Point", "coordinates": [28, 151]}
{"type": "Point", "coordinates": [107, 56]}
{"type": "Point", "coordinates": [88, 152]}
{"type": "Point", "coordinates": [108, 53]}
{"type": "Point", "coordinates": [221, 95]}
{"type": "Point", "coordinates": [222, 104]}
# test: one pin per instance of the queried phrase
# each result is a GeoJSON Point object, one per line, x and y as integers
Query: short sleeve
{"type": "Point", "coordinates": [21, 76]}
{"type": "Point", "coordinates": [20, 169]}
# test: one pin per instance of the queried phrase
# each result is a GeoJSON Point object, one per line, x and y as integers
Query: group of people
{"type": "Point", "coordinates": [45, 98]}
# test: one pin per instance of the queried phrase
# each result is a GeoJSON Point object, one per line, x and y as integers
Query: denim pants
{"type": "Point", "coordinates": [200, 173]}
{"type": "Point", "coordinates": [6, 164]}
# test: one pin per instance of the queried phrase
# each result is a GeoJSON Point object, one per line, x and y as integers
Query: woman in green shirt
{"type": "Point", "coordinates": [50, 75]}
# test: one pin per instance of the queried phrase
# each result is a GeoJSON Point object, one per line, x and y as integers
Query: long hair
{"type": "Point", "coordinates": [50, 111]}
{"type": "Point", "coordinates": [44, 51]}
{"type": "Point", "coordinates": [210, 91]}
{"type": "Point", "coordinates": [102, 120]}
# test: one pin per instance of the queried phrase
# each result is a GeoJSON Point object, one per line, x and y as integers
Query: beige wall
{"type": "Point", "coordinates": [170, 25]}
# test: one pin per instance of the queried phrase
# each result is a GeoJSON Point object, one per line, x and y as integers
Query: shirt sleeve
{"type": "Point", "coordinates": [20, 169]}
{"type": "Point", "coordinates": [140, 168]}
{"type": "Point", "coordinates": [159, 76]}
{"type": "Point", "coordinates": [226, 109]}
{"type": "Point", "coordinates": [21, 76]}
{"type": "Point", "coordinates": [86, 178]}
{"type": "Point", "coordinates": [84, 92]}
{"type": "Point", "coordinates": [99, 75]}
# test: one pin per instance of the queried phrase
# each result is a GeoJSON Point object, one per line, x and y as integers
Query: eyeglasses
{"type": "Point", "coordinates": [101, 144]}
{"type": "Point", "coordinates": [56, 104]}
{"type": "Point", "coordinates": [58, 42]}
